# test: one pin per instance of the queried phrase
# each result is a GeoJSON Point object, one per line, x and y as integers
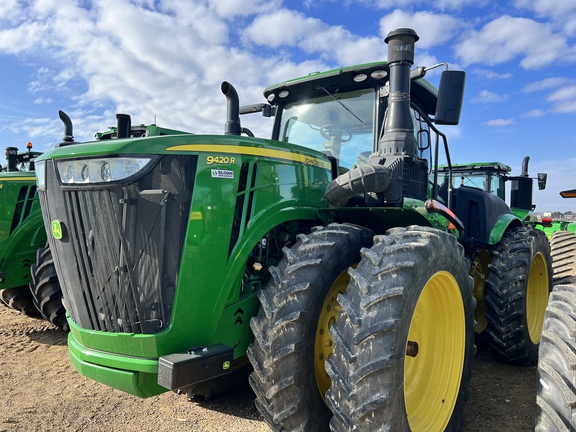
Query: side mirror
{"type": "Point", "coordinates": [542, 178]}
{"type": "Point", "coordinates": [450, 97]}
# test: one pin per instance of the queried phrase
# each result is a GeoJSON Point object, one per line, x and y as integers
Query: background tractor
{"type": "Point", "coordinates": [323, 256]}
{"type": "Point", "coordinates": [492, 177]}
{"type": "Point", "coordinates": [23, 249]}
{"type": "Point", "coordinates": [22, 231]}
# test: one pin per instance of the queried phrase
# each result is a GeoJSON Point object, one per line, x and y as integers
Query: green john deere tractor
{"type": "Point", "coordinates": [323, 256]}
{"type": "Point", "coordinates": [492, 177]}
{"type": "Point", "coordinates": [28, 281]}
{"type": "Point", "coordinates": [21, 228]}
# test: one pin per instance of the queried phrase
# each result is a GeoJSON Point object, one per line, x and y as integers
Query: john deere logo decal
{"type": "Point", "coordinates": [56, 229]}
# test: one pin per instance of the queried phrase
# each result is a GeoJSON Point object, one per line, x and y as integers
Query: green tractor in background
{"type": "Point", "coordinates": [323, 256]}
{"type": "Point", "coordinates": [28, 281]}
{"type": "Point", "coordinates": [22, 230]}
{"type": "Point", "coordinates": [492, 177]}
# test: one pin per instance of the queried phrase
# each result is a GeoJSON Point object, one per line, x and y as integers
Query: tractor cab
{"type": "Point", "coordinates": [487, 176]}
{"type": "Point", "coordinates": [492, 177]}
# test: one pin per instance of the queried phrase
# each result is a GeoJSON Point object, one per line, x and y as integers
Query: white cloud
{"type": "Point", "coordinates": [291, 29]}
{"type": "Point", "coordinates": [230, 8]}
{"type": "Point", "coordinates": [499, 122]}
{"type": "Point", "coordinates": [545, 84]}
{"type": "Point", "coordinates": [564, 99]}
{"type": "Point", "coordinates": [433, 29]}
{"type": "Point", "coordinates": [485, 97]}
{"type": "Point", "coordinates": [534, 113]}
{"type": "Point", "coordinates": [506, 38]}
{"type": "Point", "coordinates": [547, 8]}
{"type": "Point", "coordinates": [487, 73]}
{"type": "Point", "coordinates": [41, 100]}
{"type": "Point", "coordinates": [167, 62]}
{"type": "Point", "coordinates": [438, 4]}
{"type": "Point", "coordinates": [8, 10]}
{"type": "Point", "coordinates": [282, 28]}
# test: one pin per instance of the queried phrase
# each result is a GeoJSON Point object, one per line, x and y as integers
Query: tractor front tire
{"type": "Point", "coordinates": [517, 291]}
{"type": "Point", "coordinates": [19, 299]}
{"type": "Point", "coordinates": [404, 342]}
{"type": "Point", "coordinates": [46, 291]}
{"type": "Point", "coordinates": [556, 392]}
{"type": "Point", "coordinates": [291, 338]}
{"type": "Point", "coordinates": [563, 251]}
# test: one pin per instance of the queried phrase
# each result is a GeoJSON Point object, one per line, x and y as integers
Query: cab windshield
{"type": "Point", "coordinates": [487, 181]}
{"type": "Point", "coordinates": [338, 124]}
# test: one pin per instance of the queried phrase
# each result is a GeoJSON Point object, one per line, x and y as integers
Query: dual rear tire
{"type": "Point", "coordinates": [400, 354]}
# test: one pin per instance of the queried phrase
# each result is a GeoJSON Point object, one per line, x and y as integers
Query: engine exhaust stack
{"type": "Point", "coordinates": [68, 129]}
{"type": "Point", "coordinates": [232, 126]}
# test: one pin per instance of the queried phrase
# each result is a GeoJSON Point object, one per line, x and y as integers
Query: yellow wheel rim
{"type": "Point", "coordinates": [479, 273]}
{"type": "Point", "coordinates": [537, 297]}
{"type": "Point", "coordinates": [324, 344]}
{"type": "Point", "coordinates": [435, 354]}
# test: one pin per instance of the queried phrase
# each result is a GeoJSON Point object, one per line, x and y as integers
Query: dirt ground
{"type": "Point", "coordinates": [40, 391]}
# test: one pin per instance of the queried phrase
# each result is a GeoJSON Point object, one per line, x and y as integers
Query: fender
{"type": "Point", "coordinates": [504, 222]}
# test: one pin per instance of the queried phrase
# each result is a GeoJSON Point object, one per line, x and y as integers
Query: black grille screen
{"type": "Point", "coordinates": [119, 257]}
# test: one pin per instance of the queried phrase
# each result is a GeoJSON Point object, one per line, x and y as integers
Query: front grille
{"type": "Point", "coordinates": [119, 256]}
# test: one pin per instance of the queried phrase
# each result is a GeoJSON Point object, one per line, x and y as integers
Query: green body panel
{"type": "Point", "coordinates": [107, 369]}
{"type": "Point", "coordinates": [525, 215]}
{"type": "Point", "coordinates": [21, 227]}
{"type": "Point", "coordinates": [504, 222]}
{"type": "Point", "coordinates": [380, 219]}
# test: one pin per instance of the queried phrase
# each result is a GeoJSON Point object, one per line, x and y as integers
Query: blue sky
{"type": "Point", "coordinates": [165, 60]}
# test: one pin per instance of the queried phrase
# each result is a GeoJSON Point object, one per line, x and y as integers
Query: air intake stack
{"type": "Point", "coordinates": [398, 138]}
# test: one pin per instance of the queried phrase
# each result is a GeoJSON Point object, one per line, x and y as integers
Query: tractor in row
{"type": "Point", "coordinates": [28, 280]}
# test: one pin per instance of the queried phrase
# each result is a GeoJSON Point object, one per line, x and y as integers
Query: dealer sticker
{"type": "Point", "coordinates": [219, 173]}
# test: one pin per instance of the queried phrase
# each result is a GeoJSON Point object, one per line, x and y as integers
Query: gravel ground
{"type": "Point", "coordinates": [40, 391]}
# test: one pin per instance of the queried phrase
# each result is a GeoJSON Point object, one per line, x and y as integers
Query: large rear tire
{"type": "Point", "coordinates": [46, 291]}
{"type": "Point", "coordinates": [517, 291]}
{"type": "Point", "coordinates": [563, 251]}
{"type": "Point", "coordinates": [556, 392]}
{"type": "Point", "coordinates": [404, 342]}
{"type": "Point", "coordinates": [291, 339]}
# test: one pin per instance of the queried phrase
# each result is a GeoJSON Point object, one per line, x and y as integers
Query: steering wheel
{"type": "Point", "coordinates": [330, 130]}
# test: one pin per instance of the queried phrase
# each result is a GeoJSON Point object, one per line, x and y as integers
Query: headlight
{"type": "Point", "coordinates": [105, 170]}
{"type": "Point", "coordinates": [40, 168]}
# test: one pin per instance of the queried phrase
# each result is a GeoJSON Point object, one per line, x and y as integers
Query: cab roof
{"type": "Point", "coordinates": [341, 80]}
{"type": "Point", "coordinates": [498, 167]}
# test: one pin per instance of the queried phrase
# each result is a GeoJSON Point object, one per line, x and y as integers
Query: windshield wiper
{"type": "Point", "coordinates": [344, 106]}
